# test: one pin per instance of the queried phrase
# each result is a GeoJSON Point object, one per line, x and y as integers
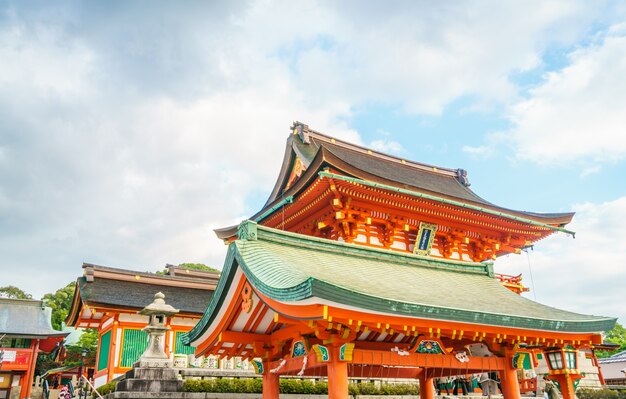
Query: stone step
{"type": "Point", "coordinates": [152, 385]}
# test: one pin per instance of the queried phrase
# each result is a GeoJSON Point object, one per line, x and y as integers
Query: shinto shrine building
{"type": "Point", "coordinates": [25, 331]}
{"type": "Point", "coordinates": [363, 264]}
{"type": "Point", "coordinates": [108, 299]}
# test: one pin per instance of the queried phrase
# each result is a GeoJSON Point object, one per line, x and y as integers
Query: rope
{"type": "Point", "coordinates": [305, 360]}
{"type": "Point", "coordinates": [530, 271]}
{"type": "Point", "coordinates": [280, 366]}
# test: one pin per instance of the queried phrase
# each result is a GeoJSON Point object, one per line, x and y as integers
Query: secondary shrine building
{"type": "Point", "coordinates": [364, 264]}
{"type": "Point", "coordinates": [25, 331]}
{"type": "Point", "coordinates": [108, 299]}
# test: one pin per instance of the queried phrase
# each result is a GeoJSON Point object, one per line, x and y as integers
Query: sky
{"type": "Point", "coordinates": [130, 130]}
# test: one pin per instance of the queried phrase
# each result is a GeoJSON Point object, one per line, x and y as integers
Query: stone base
{"type": "Point", "coordinates": [149, 379]}
{"type": "Point", "coordinates": [136, 385]}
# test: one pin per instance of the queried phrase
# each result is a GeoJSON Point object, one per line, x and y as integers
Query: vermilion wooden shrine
{"type": "Point", "coordinates": [108, 299]}
{"type": "Point", "coordinates": [362, 264]}
{"type": "Point", "coordinates": [25, 331]}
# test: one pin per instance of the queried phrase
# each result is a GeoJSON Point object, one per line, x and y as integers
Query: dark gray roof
{"type": "Point", "coordinates": [318, 151]}
{"type": "Point", "coordinates": [403, 174]}
{"type": "Point", "coordinates": [616, 358]}
{"type": "Point", "coordinates": [372, 165]}
{"type": "Point", "coordinates": [26, 318]}
{"type": "Point", "coordinates": [136, 295]}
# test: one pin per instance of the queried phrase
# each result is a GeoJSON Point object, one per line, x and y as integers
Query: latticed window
{"type": "Point", "coordinates": [180, 347]}
{"type": "Point", "coordinates": [134, 344]}
{"type": "Point", "coordinates": [556, 360]}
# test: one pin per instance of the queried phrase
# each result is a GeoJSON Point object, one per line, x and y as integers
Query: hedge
{"type": "Point", "coordinates": [294, 386]}
{"type": "Point", "coordinates": [604, 393]}
{"type": "Point", "coordinates": [107, 388]}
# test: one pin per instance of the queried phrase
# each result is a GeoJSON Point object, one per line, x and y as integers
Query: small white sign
{"type": "Point", "coordinates": [9, 356]}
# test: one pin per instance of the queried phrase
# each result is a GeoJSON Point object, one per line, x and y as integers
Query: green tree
{"type": "Point", "coordinates": [194, 266]}
{"type": "Point", "coordinates": [615, 336]}
{"type": "Point", "coordinates": [12, 292]}
{"type": "Point", "coordinates": [60, 302]}
{"type": "Point", "coordinates": [84, 350]}
{"type": "Point", "coordinates": [198, 266]}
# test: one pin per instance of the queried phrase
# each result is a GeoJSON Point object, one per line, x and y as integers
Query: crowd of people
{"type": "Point", "coordinates": [488, 382]}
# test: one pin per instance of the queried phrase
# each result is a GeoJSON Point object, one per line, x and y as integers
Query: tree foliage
{"type": "Point", "coordinates": [12, 292]}
{"type": "Point", "coordinates": [87, 344]}
{"type": "Point", "coordinates": [60, 302]}
{"type": "Point", "coordinates": [198, 266]}
{"type": "Point", "coordinates": [194, 266]}
{"type": "Point", "coordinates": [615, 336]}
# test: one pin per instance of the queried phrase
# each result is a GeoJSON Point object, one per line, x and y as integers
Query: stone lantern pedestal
{"type": "Point", "coordinates": [153, 371]}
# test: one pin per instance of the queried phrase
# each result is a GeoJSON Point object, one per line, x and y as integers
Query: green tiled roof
{"type": "Point", "coordinates": [290, 267]}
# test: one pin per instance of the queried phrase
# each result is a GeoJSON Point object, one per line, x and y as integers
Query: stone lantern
{"type": "Point", "coordinates": [158, 312]}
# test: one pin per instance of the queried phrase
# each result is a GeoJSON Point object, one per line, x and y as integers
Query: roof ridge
{"type": "Point", "coordinates": [304, 130]}
{"type": "Point", "coordinates": [24, 302]}
{"type": "Point", "coordinates": [164, 277]}
{"type": "Point", "coordinates": [249, 230]}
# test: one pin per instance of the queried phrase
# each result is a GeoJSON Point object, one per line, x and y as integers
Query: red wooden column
{"type": "Point", "coordinates": [427, 386]}
{"type": "Point", "coordinates": [337, 376]}
{"type": "Point", "coordinates": [508, 377]}
{"type": "Point", "coordinates": [271, 382]}
{"type": "Point", "coordinates": [566, 383]}
{"type": "Point", "coordinates": [30, 373]}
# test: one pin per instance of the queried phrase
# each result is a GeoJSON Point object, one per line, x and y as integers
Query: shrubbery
{"type": "Point", "coordinates": [252, 385]}
{"type": "Point", "coordinates": [586, 393]}
{"type": "Point", "coordinates": [303, 387]}
{"type": "Point", "coordinates": [107, 388]}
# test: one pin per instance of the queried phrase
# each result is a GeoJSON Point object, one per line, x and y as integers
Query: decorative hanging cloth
{"type": "Point", "coordinates": [280, 366]}
{"type": "Point", "coordinates": [462, 357]}
{"type": "Point", "coordinates": [305, 360]}
{"type": "Point", "coordinates": [401, 352]}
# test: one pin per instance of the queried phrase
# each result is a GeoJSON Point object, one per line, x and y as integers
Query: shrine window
{"type": "Point", "coordinates": [556, 360]}
{"type": "Point", "coordinates": [20, 343]}
{"type": "Point", "coordinates": [570, 359]}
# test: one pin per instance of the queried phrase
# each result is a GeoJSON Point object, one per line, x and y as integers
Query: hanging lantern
{"type": "Point", "coordinates": [560, 359]}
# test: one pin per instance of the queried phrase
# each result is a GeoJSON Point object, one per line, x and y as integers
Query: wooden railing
{"type": "Point", "coordinates": [513, 283]}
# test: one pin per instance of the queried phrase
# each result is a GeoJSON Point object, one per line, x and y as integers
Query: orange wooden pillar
{"type": "Point", "coordinates": [508, 378]}
{"type": "Point", "coordinates": [337, 371]}
{"type": "Point", "coordinates": [271, 383]}
{"type": "Point", "coordinates": [427, 386]}
{"type": "Point", "coordinates": [566, 383]}
{"type": "Point", "coordinates": [30, 373]}
{"type": "Point", "coordinates": [115, 331]}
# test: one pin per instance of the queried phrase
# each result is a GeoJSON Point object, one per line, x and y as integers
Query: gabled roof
{"type": "Point", "coordinates": [306, 143]}
{"type": "Point", "coordinates": [291, 268]}
{"type": "Point", "coordinates": [26, 318]}
{"type": "Point", "coordinates": [317, 151]}
{"type": "Point", "coordinates": [108, 287]}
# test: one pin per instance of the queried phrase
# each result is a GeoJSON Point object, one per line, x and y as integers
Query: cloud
{"type": "Point", "coordinates": [585, 274]}
{"type": "Point", "coordinates": [387, 146]}
{"type": "Point", "coordinates": [447, 52]}
{"type": "Point", "coordinates": [127, 133]}
{"type": "Point", "coordinates": [482, 151]}
{"type": "Point", "coordinates": [590, 171]}
{"type": "Point", "coordinates": [577, 112]}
